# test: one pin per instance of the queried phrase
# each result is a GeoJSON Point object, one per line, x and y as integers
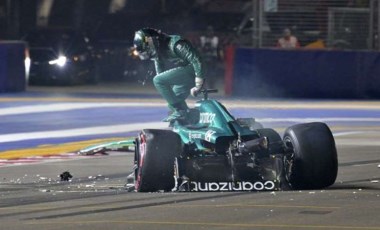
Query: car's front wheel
{"type": "Point", "coordinates": [155, 154]}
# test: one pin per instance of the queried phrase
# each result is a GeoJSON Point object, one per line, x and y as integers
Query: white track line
{"type": "Point", "coordinates": [123, 128]}
{"type": "Point", "coordinates": [110, 129]}
{"type": "Point", "coordinates": [56, 107]}
{"type": "Point", "coordinates": [320, 119]}
{"type": "Point", "coordinates": [70, 106]}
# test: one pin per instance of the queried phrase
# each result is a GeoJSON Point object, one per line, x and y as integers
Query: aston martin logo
{"type": "Point", "coordinates": [209, 134]}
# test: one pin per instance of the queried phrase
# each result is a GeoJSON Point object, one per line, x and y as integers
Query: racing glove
{"type": "Point", "coordinates": [198, 86]}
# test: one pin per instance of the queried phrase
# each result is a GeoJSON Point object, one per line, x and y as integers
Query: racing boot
{"type": "Point", "coordinates": [180, 111]}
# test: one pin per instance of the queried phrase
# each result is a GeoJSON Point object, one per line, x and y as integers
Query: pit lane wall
{"type": "Point", "coordinates": [302, 73]}
{"type": "Point", "coordinates": [12, 66]}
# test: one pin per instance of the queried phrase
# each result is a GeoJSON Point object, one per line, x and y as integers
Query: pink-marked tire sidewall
{"type": "Point", "coordinates": [155, 154]}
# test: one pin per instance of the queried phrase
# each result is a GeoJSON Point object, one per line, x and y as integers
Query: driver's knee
{"type": "Point", "coordinates": [157, 81]}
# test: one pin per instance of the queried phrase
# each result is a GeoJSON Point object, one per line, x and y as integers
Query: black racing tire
{"type": "Point", "coordinates": [155, 154]}
{"type": "Point", "coordinates": [275, 143]}
{"type": "Point", "coordinates": [314, 162]}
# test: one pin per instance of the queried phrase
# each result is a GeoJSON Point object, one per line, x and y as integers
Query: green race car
{"type": "Point", "coordinates": [211, 150]}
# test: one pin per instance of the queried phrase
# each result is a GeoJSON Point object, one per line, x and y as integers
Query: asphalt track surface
{"type": "Point", "coordinates": [42, 129]}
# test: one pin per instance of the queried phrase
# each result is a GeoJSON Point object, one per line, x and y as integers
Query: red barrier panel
{"type": "Point", "coordinates": [229, 69]}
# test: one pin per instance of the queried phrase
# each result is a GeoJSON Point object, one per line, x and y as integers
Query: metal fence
{"type": "Point", "coordinates": [341, 24]}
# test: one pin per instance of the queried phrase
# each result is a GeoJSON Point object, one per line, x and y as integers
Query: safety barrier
{"type": "Point", "coordinates": [304, 73]}
{"type": "Point", "coordinates": [12, 66]}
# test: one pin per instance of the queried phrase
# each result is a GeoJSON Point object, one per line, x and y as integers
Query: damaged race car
{"type": "Point", "coordinates": [213, 151]}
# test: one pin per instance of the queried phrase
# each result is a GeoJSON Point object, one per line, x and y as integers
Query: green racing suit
{"type": "Point", "coordinates": [177, 64]}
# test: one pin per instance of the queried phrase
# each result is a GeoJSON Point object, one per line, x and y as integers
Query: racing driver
{"type": "Point", "coordinates": [179, 70]}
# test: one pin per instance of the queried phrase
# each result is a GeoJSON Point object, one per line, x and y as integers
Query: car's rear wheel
{"type": "Point", "coordinates": [155, 154]}
{"type": "Point", "coordinates": [312, 162]}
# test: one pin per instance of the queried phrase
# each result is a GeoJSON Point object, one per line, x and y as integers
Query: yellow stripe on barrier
{"type": "Point", "coordinates": [45, 150]}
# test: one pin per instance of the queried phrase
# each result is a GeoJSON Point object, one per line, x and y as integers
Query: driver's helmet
{"type": "Point", "coordinates": [144, 43]}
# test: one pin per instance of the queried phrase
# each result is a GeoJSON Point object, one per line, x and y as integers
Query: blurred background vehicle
{"type": "Point", "coordinates": [61, 56]}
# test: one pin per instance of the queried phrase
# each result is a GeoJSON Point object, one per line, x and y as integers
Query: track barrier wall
{"type": "Point", "coordinates": [303, 73]}
{"type": "Point", "coordinates": [12, 66]}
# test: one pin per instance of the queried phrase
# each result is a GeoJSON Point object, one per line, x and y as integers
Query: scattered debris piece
{"type": "Point", "coordinates": [66, 176]}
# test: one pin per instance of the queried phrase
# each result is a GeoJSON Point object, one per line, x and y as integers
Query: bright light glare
{"type": "Point", "coordinates": [27, 63]}
{"type": "Point", "coordinates": [60, 61]}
